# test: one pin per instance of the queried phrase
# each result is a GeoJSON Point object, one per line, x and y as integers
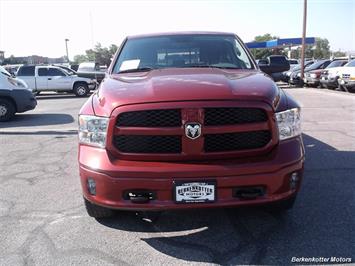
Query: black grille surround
{"type": "Point", "coordinates": [148, 144]}
{"type": "Point", "coordinates": [233, 116]}
{"type": "Point", "coordinates": [236, 141]}
{"type": "Point", "coordinates": [150, 118]}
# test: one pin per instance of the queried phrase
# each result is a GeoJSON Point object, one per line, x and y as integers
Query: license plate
{"type": "Point", "coordinates": [195, 192]}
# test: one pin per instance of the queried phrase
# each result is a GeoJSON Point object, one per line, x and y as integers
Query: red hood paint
{"type": "Point", "coordinates": [177, 84]}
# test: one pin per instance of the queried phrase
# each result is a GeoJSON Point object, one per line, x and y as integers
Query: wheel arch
{"type": "Point", "coordinates": [79, 82]}
{"type": "Point", "coordinates": [9, 98]}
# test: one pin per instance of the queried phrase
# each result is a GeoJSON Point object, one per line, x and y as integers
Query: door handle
{"type": "Point", "coordinates": [49, 78]}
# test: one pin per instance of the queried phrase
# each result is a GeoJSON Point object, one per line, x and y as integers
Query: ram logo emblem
{"type": "Point", "coordinates": [193, 130]}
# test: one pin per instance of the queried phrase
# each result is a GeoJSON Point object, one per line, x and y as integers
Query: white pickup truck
{"type": "Point", "coordinates": [52, 78]}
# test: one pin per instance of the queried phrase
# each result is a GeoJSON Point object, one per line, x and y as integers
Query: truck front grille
{"type": "Point", "coordinates": [162, 131]}
{"type": "Point", "coordinates": [148, 144]}
{"type": "Point", "coordinates": [150, 118]}
{"type": "Point", "coordinates": [346, 76]}
{"type": "Point", "coordinates": [237, 141]}
{"type": "Point", "coordinates": [233, 116]}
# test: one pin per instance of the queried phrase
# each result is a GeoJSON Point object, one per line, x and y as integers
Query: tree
{"type": "Point", "coordinates": [80, 58]}
{"type": "Point", "coordinates": [101, 55]}
{"type": "Point", "coordinates": [321, 49]}
{"type": "Point", "coordinates": [339, 54]}
{"type": "Point", "coordinates": [262, 53]}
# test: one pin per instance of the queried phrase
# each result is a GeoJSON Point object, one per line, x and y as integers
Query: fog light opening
{"type": "Point", "coordinates": [294, 180]}
{"type": "Point", "coordinates": [91, 186]}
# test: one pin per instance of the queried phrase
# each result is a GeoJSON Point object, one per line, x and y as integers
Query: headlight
{"type": "Point", "coordinates": [93, 130]}
{"type": "Point", "coordinates": [313, 76]}
{"type": "Point", "coordinates": [17, 82]}
{"type": "Point", "coordinates": [289, 123]}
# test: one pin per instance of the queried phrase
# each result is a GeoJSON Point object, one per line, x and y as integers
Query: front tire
{"type": "Point", "coordinates": [97, 211]}
{"type": "Point", "coordinates": [7, 110]}
{"type": "Point", "coordinates": [81, 89]}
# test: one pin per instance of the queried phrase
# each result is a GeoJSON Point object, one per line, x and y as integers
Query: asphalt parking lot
{"type": "Point", "coordinates": [43, 220]}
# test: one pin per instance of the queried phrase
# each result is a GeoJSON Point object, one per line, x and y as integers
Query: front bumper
{"type": "Point", "coordinates": [114, 177]}
{"type": "Point", "coordinates": [25, 100]}
{"type": "Point", "coordinates": [347, 83]}
{"type": "Point", "coordinates": [329, 82]}
{"type": "Point", "coordinates": [295, 80]}
{"type": "Point", "coordinates": [311, 81]}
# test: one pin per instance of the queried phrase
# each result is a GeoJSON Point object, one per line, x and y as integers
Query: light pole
{"type": "Point", "coordinates": [66, 47]}
{"type": "Point", "coordinates": [303, 37]}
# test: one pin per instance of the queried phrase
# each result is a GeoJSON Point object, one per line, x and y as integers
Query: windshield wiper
{"type": "Point", "coordinates": [212, 66]}
{"type": "Point", "coordinates": [140, 69]}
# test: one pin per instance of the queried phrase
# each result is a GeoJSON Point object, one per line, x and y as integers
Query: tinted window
{"type": "Point", "coordinates": [42, 72]}
{"type": "Point", "coordinates": [316, 65]}
{"type": "Point", "coordinates": [325, 64]}
{"type": "Point", "coordinates": [182, 51]}
{"type": "Point", "coordinates": [351, 64]}
{"type": "Point", "coordinates": [337, 63]}
{"type": "Point", "coordinates": [293, 62]}
{"type": "Point", "coordinates": [26, 71]}
{"type": "Point", "coordinates": [55, 72]}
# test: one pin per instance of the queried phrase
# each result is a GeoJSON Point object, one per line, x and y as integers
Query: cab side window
{"type": "Point", "coordinates": [42, 72]}
{"type": "Point", "coordinates": [55, 72]}
{"type": "Point", "coordinates": [26, 71]}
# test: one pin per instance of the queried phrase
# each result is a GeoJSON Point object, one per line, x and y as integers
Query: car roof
{"type": "Point", "coordinates": [180, 33]}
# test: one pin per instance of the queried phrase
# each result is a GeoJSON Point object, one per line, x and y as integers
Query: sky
{"type": "Point", "coordinates": [41, 27]}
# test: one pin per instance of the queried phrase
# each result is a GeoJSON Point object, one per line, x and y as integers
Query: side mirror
{"type": "Point", "coordinates": [274, 64]}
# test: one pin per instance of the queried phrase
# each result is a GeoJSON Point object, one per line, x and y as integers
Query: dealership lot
{"type": "Point", "coordinates": [43, 220]}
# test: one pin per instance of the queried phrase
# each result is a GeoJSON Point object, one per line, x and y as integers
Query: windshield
{"type": "Point", "coordinates": [298, 67]}
{"type": "Point", "coordinates": [350, 64]}
{"type": "Point", "coordinates": [180, 51]}
{"type": "Point", "coordinates": [336, 63]}
{"type": "Point", "coordinates": [4, 72]}
{"type": "Point", "coordinates": [315, 65]}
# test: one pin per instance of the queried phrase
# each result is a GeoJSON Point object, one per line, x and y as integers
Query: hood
{"type": "Point", "coordinates": [334, 70]}
{"type": "Point", "coordinates": [177, 84]}
{"type": "Point", "coordinates": [316, 71]}
{"type": "Point", "coordinates": [346, 70]}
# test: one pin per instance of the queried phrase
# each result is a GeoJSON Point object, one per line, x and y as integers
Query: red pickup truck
{"type": "Point", "coordinates": [188, 120]}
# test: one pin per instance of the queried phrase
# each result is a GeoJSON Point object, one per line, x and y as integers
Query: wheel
{"type": "Point", "coordinates": [97, 211]}
{"type": "Point", "coordinates": [7, 110]}
{"type": "Point", "coordinates": [282, 206]}
{"type": "Point", "coordinates": [342, 88]}
{"type": "Point", "coordinates": [81, 89]}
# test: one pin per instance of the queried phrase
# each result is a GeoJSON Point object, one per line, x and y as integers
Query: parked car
{"type": "Point", "coordinates": [53, 78]}
{"type": "Point", "coordinates": [276, 64]}
{"type": "Point", "coordinates": [91, 70]}
{"type": "Point", "coordinates": [328, 80]}
{"type": "Point", "coordinates": [188, 120]}
{"type": "Point", "coordinates": [293, 63]}
{"type": "Point", "coordinates": [15, 96]}
{"type": "Point", "coordinates": [347, 77]}
{"type": "Point", "coordinates": [287, 74]}
{"type": "Point", "coordinates": [312, 77]}
{"type": "Point", "coordinates": [295, 77]}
